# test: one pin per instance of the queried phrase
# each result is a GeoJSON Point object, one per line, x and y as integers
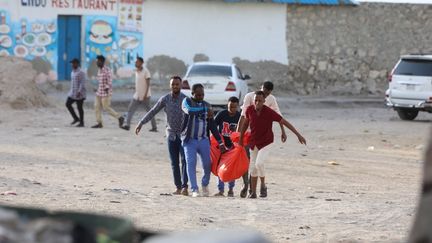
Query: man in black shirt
{"type": "Point", "coordinates": [226, 121]}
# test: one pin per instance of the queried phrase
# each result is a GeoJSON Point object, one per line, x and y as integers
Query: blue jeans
{"type": "Point", "coordinates": [221, 185]}
{"type": "Point", "coordinates": [175, 151]}
{"type": "Point", "coordinates": [191, 148]}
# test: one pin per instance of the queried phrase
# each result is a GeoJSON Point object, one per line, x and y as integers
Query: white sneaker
{"type": "Point", "coordinates": [205, 191]}
{"type": "Point", "coordinates": [195, 194]}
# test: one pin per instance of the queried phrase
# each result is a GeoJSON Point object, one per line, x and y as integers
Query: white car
{"type": "Point", "coordinates": [410, 86]}
{"type": "Point", "coordinates": [220, 81]}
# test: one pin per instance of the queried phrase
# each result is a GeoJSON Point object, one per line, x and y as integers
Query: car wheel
{"type": "Point", "coordinates": [407, 114]}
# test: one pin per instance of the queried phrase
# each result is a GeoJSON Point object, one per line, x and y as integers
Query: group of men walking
{"type": "Point", "coordinates": [190, 120]}
{"type": "Point", "coordinates": [103, 94]}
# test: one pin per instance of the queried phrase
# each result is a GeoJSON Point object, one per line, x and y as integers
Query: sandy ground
{"type": "Point", "coordinates": [370, 196]}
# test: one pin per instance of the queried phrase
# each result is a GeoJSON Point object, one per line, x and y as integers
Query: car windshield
{"type": "Point", "coordinates": [414, 67]}
{"type": "Point", "coordinates": [210, 70]}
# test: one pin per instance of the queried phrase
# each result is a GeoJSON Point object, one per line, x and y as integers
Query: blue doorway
{"type": "Point", "coordinates": [69, 44]}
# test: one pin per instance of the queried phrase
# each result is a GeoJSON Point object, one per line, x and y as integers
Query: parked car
{"type": "Point", "coordinates": [410, 86]}
{"type": "Point", "coordinates": [220, 81]}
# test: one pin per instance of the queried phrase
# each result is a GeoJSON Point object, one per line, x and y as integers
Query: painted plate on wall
{"type": "Point", "coordinates": [51, 28]}
{"type": "Point", "coordinates": [4, 53]}
{"type": "Point", "coordinates": [4, 29]}
{"type": "Point", "coordinates": [43, 39]}
{"type": "Point", "coordinates": [29, 39]}
{"type": "Point", "coordinates": [20, 51]}
{"type": "Point", "coordinates": [37, 28]}
{"type": "Point", "coordinates": [38, 51]}
{"type": "Point", "coordinates": [5, 41]}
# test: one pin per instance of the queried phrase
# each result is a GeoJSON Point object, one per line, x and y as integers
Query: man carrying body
{"type": "Point", "coordinates": [198, 120]}
{"type": "Point", "coordinates": [271, 102]}
{"type": "Point", "coordinates": [226, 121]}
{"type": "Point", "coordinates": [172, 105]}
{"type": "Point", "coordinates": [260, 118]}
{"type": "Point", "coordinates": [142, 94]}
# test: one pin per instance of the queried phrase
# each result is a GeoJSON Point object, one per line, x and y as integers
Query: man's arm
{"type": "Point", "coordinates": [283, 135]}
{"type": "Point", "coordinates": [81, 80]}
{"type": "Point", "coordinates": [213, 129]}
{"type": "Point", "coordinates": [275, 106]}
{"type": "Point", "coordinates": [106, 79]}
{"type": "Point", "coordinates": [218, 119]}
{"type": "Point", "coordinates": [150, 114]}
{"type": "Point", "coordinates": [240, 123]}
{"type": "Point", "coordinates": [247, 101]}
{"type": "Point", "coordinates": [147, 87]}
{"type": "Point", "coordinates": [301, 139]}
{"type": "Point", "coordinates": [243, 128]}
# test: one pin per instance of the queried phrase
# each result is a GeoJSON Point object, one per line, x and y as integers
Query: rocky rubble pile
{"type": "Point", "coordinates": [17, 84]}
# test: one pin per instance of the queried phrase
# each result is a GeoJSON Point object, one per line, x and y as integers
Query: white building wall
{"type": "Point", "coordinates": [181, 29]}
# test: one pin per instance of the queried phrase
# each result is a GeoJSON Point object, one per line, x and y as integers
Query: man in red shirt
{"type": "Point", "coordinates": [260, 118]}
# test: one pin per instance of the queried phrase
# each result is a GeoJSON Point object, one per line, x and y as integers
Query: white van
{"type": "Point", "coordinates": [410, 86]}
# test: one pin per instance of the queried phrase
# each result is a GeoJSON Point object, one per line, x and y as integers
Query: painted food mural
{"type": "Point", "coordinates": [6, 41]}
{"type": "Point", "coordinates": [30, 40]}
{"type": "Point", "coordinates": [101, 32]}
{"type": "Point", "coordinates": [36, 41]}
{"type": "Point", "coordinates": [120, 48]}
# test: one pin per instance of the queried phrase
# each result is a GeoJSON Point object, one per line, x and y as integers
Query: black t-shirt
{"type": "Point", "coordinates": [226, 125]}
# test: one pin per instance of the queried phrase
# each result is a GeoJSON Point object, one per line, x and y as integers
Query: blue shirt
{"type": "Point", "coordinates": [174, 115]}
{"type": "Point", "coordinates": [196, 124]}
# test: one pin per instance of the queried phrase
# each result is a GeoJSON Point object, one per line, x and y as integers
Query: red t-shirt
{"type": "Point", "coordinates": [261, 125]}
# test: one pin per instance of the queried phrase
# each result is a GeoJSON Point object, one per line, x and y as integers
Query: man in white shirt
{"type": "Point", "coordinates": [271, 102]}
{"type": "Point", "coordinates": [142, 94]}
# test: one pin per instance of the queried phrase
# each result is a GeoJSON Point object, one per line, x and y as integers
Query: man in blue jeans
{"type": "Point", "coordinates": [171, 103]}
{"type": "Point", "coordinates": [198, 120]}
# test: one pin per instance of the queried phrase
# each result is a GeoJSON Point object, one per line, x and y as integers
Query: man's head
{"type": "Point", "coordinates": [100, 61]}
{"type": "Point", "coordinates": [139, 62]}
{"type": "Point", "coordinates": [233, 103]}
{"type": "Point", "coordinates": [198, 92]}
{"type": "Point", "coordinates": [259, 99]}
{"type": "Point", "coordinates": [267, 88]}
{"type": "Point", "coordinates": [75, 63]}
{"type": "Point", "coordinates": [175, 84]}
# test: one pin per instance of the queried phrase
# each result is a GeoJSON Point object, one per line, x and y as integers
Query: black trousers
{"type": "Point", "coordinates": [69, 103]}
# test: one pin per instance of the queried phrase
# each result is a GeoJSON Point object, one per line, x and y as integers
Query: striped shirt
{"type": "Point", "coordinates": [77, 89]}
{"type": "Point", "coordinates": [104, 78]}
{"type": "Point", "coordinates": [172, 106]}
{"type": "Point", "coordinates": [196, 124]}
